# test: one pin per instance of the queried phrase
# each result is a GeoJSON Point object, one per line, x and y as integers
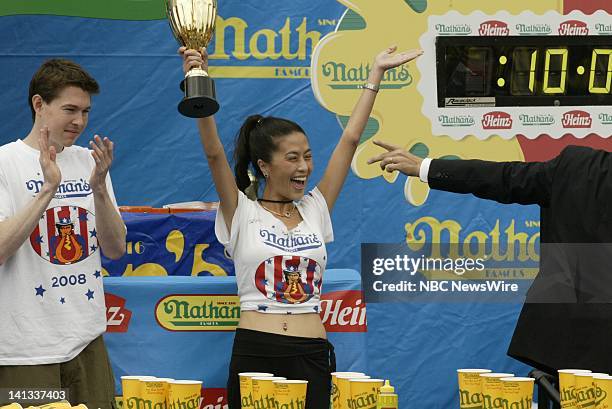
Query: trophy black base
{"type": "Point", "coordinates": [199, 101]}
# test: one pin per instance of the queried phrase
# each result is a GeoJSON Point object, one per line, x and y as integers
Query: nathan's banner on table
{"type": "Point", "coordinates": [154, 321]}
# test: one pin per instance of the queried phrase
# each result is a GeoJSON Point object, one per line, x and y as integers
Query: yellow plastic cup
{"type": "Point", "coordinates": [364, 392]}
{"type": "Point", "coordinates": [132, 392]}
{"type": "Point", "coordinates": [263, 391]}
{"type": "Point", "coordinates": [584, 389]}
{"type": "Point", "coordinates": [334, 397]}
{"type": "Point", "coordinates": [166, 382]}
{"type": "Point", "coordinates": [246, 388]}
{"type": "Point", "coordinates": [290, 394]}
{"type": "Point", "coordinates": [184, 394]}
{"type": "Point", "coordinates": [491, 389]}
{"type": "Point", "coordinates": [470, 393]}
{"type": "Point", "coordinates": [603, 391]}
{"type": "Point", "coordinates": [344, 389]}
{"type": "Point", "coordinates": [518, 392]}
{"type": "Point", "coordinates": [567, 385]}
{"type": "Point", "coordinates": [153, 394]}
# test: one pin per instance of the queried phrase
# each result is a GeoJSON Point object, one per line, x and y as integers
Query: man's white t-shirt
{"type": "Point", "coordinates": [51, 295]}
{"type": "Point", "coordinates": [278, 270]}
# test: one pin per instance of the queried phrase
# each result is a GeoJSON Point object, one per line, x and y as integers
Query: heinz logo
{"type": "Point", "coordinates": [117, 316]}
{"type": "Point", "coordinates": [493, 28]}
{"type": "Point", "coordinates": [573, 28]}
{"type": "Point", "coordinates": [576, 119]}
{"type": "Point", "coordinates": [343, 311]}
{"type": "Point", "coordinates": [497, 120]}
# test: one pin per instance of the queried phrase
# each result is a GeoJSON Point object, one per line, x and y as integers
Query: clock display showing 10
{"type": "Point", "coordinates": [525, 71]}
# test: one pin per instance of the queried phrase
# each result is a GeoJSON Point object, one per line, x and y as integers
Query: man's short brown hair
{"type": "Point", "coordinates": [55, 75]}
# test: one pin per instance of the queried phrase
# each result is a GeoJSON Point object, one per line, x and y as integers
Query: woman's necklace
{"type": "Point", "coordinates": [286, 214]}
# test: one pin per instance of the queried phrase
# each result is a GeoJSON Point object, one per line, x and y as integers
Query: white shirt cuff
{"type": "Point", "coordinates": [424, 169]}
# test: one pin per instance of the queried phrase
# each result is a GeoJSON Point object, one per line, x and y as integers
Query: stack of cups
{"type": "Point", "coordinates": [567, 384]}
{"type": "Point", "coordinates": [160, 393]}
{"type": "Point", "coordinates": [517, 392]}
{"type": "Point", "coordinates": [352, 390]}
{"type": "Point", "coordinates": [603, 391]}
{"type": "Point", "coordinates": [470, 389]}
{"type": "Point", "coordinates": [343, 387]}
{"type": "Point", "coordinates": [480, 388]}
{"type": "Point", "coordinates": [492, 389]}
{"type": "Point", "coordinates": [262, 390]}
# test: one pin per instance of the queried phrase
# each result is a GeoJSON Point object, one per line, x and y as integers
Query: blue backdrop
{"type": "Point", "coordinates": [159, 160]}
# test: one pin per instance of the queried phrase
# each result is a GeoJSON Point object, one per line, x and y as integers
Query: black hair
{"type": "Point", "coordinates": [257, 139]}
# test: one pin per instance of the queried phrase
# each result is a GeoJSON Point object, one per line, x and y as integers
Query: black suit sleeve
{"type": "Point", "coordinates": [504, 182]}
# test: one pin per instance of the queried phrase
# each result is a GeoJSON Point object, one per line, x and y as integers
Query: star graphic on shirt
{"type": "Point", "coordinates": [83, 217]}
{"type": "Point", "coordinates": [316, 308]}
{"type": "Point", "coordinates": [93, 248]}
{"type": "Point", "coordinates": [93, 233]}
{"type": "Point", "coordinates": [40, 290]}
{"type": "Point", "coordinates": [289, 313]}
{"type": "Point", "coordinates": [269, 261]}
{"type": "Point", "coordinates": [97, 274]}
{"type": "Point", "coordinates": [89, 294]}
{"type": "Point", "coordinates": [317, 282]}
{"type": "Point", "coordinates": [63, 300]}
{"type": "Point", "coordinates": [324, 258]}
{"type": "Point", "coordinates": [262, 307]}
{"type": "Point", "coordinates": [305, 258]}
{"type": "Point", "coordinates": [39, 239]}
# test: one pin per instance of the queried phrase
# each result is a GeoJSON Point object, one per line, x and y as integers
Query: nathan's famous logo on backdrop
{"type": "Point", "coordinates": [603, 29]}
{"type": "Point", "coordinates": [456, 120]}
{"type": "Point", "coordinates": [573, 28]}
{"type": "Point", "coordinates": [65, 235]}
{"type": "Point", "coordinates": [247, 46]}
{"type": "Point", "coordinates": [453, 29]}
{"type": "Point", "coordinates": [605, 118]}
{"type": "Point", "coordinates": [533, 29]}
{"type": "Point", "coordinates": [117, 316]}
{"type": "Point", "coordinates": [340, 76]}
{"type": "Point", "coordinates": [536, 119]}
{"type": "Point", "coordinates": [344, 311]}
{"type": "Point", "coordinates": [198, 312]}
{"type": "Point", "coordinates": [493, 28]}
{"type": "Point", "coordinates": [503, 243]}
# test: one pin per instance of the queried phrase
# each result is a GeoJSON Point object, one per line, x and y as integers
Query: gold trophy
{"type": "Point", "coordinates": [193, 23]}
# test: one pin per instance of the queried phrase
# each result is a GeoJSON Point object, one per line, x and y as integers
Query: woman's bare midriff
{"type": "Point", "coordinates": [295, 325]}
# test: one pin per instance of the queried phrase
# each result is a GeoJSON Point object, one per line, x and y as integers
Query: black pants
{"type": "Point", "coordinates": [310, 359]}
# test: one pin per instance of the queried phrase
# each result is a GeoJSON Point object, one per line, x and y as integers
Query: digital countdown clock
{"type": "Point", "coordinates": [522, 74]}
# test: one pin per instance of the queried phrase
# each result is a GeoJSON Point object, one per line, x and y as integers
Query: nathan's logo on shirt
{"type": "Point", "coordinates": [66, 189]}
{"type": "Point", "coordinates": [292, 243]}
{"type": "Point", "coordinates": [65, 235]}
{"type": "Point", "coordinates": [289, 280]}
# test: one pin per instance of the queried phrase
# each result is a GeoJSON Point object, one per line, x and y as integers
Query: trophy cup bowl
{"type": "Point", "coordinates": [193, 24]}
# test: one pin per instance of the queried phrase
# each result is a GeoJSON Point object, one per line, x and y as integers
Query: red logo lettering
{"type": "Point", "coordinates": [497, 120]}
{"type": "Point", "coordinates": [573, 28]}
{"type": "Point", "coordinates": [117, 316]}
{"type": "Point", "coordinates": [493, 28]}
{"type": "Point", "coordinates": [576, 119]}
{"type": "Point", "coordinates": [214, 398]}
{"type": "Point", "coordinates": [344, 311]}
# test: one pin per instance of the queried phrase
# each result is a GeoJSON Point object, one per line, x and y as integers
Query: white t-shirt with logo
{"type": "Point", "coordinates": [278, 270]}
{"type": "Point", "coordinates": [51, 296]}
